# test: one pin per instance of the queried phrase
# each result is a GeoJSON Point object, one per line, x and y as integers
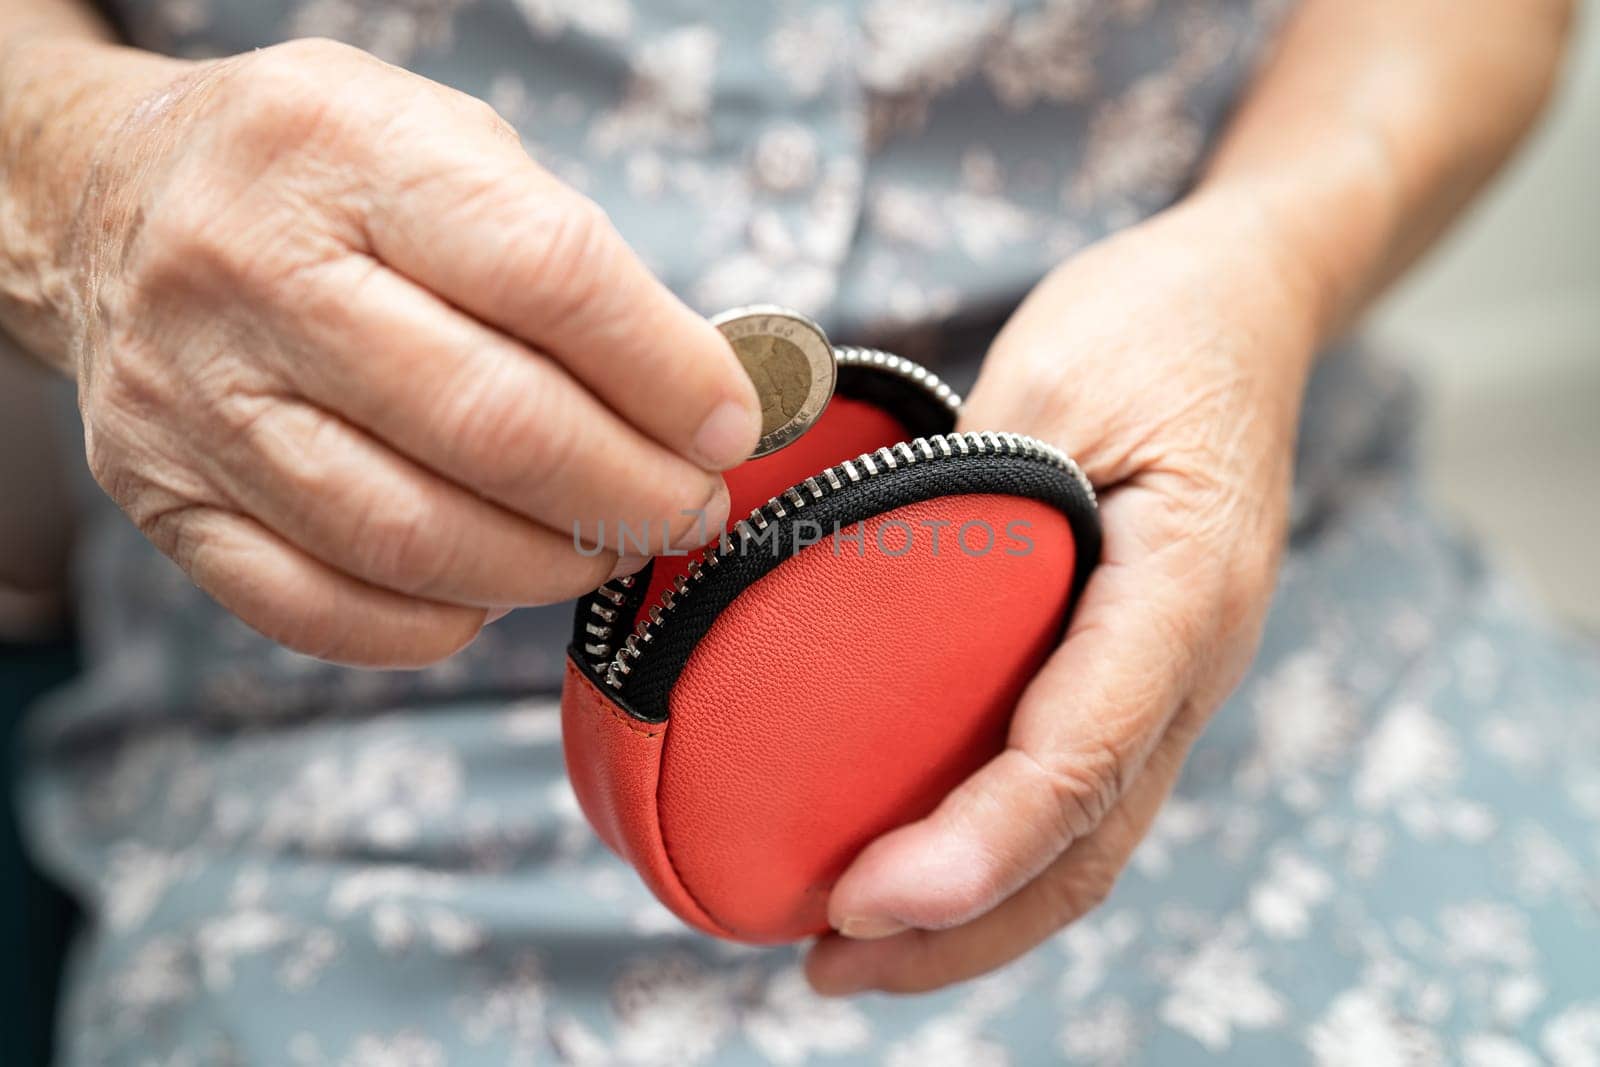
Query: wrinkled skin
{"type": "Point", "coordinates": [358, 364]}
{"type": "Point", "coordinates": [1169, 361]}
{"type": "Point", "coordinates": [352, 359]}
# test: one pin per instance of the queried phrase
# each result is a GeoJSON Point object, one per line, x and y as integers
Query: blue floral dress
{"type": "Point", "coordinates": [1384, 851]}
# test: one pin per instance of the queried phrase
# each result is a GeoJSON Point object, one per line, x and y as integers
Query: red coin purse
{"type": "Point", "coordinates": [740, 722]}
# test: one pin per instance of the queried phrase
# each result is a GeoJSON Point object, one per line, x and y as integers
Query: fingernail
{"type": "Point", "coordinates": [728, 435]}
{"type": "Point", "coordinates": [871, 929]}
{"type": "Point", "coordinates": [627, 565]}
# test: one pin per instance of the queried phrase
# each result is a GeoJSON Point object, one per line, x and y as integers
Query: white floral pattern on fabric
{"type": "Point", "coordinates": [1384, 851]}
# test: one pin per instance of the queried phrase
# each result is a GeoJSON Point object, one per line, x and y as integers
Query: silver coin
{"type": "Point", "coordinates": [789, 359]}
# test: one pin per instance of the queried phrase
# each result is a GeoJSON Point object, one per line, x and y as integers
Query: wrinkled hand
{"type": "Point", "coordinates": [1169, 361]}
{"type": "Point", "coordinates": [358, 364]}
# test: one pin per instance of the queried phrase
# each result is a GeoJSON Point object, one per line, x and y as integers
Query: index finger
{"type": "Point", "coordinates": [501, 238]}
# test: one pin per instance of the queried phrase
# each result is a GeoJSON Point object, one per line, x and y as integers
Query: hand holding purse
{"type": "Point", "coordinates": [740, 722]}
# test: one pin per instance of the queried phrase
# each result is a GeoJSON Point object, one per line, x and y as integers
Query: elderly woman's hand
{"type": "Point", "coordinates": [358, 364]}
{"type": "Point", "coordinates": [1169, 360]}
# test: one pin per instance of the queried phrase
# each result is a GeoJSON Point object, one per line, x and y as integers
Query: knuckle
{"type": "Point", "coordinates": [480, 113]}
{"type": "Point", "coordinates": [183, 249]}
{"type": "Point", "coordinates": [297, 443]}
{"type": "Point", "coordinates": [314, 50]}
{"type": "Point", "coordinates": [554, 459]}
{"type": "Point", "coordinates": [281, 91]}
{"type": "Point", "coordinates": [295, 72]}
{"type": "Point", "coordinates": [191, 245]}
{"type": "Point", "coordinates": [516, 452]}
{"type": "Point", "coordinates": [1084, 784]}
{"type": "Point", "coordinates": [239, 199]}
{"type": "Point", "coordinates": [573, 258]}
{"type": "Point", "coordinates": [395, 545]}
{"type": "Point", "coordinates": [255, 423]}
{"type": "Point", "coordinates": [309, 439]}
{"type": "Point", "coordinates": [166, 523]}
{"type": "Point", "coordinates": [552, 243]}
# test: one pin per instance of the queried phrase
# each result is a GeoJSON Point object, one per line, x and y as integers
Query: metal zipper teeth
{"type": "Point", "coordinates": [833, 480]}
{"type": "Point", "coordinates": [899, 366]}
{"type": "Point", "coordinates": [604, 622]}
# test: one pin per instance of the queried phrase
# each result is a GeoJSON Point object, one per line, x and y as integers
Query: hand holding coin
{"type": "Point", "coordinates": [792, 364]}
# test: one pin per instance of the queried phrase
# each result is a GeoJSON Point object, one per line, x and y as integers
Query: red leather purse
{"type": "Point", "coordinates": [738, 723]}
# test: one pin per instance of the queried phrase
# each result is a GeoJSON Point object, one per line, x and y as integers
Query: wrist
{"type": "Point", "coordinates": [1324, 215]}
{"type": "Point", "coordinates": [67, 106]}
{"type": "Point", "coordinates": [1266, 282]}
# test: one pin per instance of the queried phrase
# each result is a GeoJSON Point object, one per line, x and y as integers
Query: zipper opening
{"type": "Point", "coordinates": [618, 630]}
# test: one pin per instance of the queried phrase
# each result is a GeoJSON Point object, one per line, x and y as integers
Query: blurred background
{"type": "Point", "coordinates": [1502, 323]}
